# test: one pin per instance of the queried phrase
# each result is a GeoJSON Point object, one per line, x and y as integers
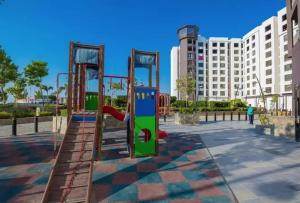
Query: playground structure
{"type": "Point", "coordinates": [71, 177]}
{"type": "Point", "coordinates": [164, 104]}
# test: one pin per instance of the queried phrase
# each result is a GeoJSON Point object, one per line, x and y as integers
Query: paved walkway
{"type": "Point", "coordinates": [259, 168]}
{"type": "Point", "coordinates": [27, 128]}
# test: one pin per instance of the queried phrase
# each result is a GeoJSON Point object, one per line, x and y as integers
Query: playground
{"type": "Point", "coordinates": [89, 163]}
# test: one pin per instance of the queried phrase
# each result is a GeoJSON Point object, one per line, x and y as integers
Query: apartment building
{"type": "Point", "coordinates": [174, 70]}
{"type": "Point", "coordinates": [187, 36]}
{"type": "Point", "coordinates": [256, 64]}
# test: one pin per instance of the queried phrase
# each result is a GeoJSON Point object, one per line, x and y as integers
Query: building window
{"type": "Point", "coordinates": [248, 85]}
{"type": "Point", "coordinates": [222, 93]}
{"type": "Point", "coordinates": [253, 37]}
{"type": "Point", "coordinates": [200, 51]}
{"type": "Point", "coordinates": [288, 77]}
{"type": "Point", "coordinates": [248, 92]}
{"type": "Point", "coordinates": [190, 56]}
{"type": "Point", "coordinates": [253, 84]}
{"type": "Point", "coordinates": [222, 79]}
{"type": "Point", "coordinates": [267, 28]}
{"type": "Point", "coordinates": [268, 54]}
{"type": "Point", "coordinates": [190, 48]}
{"type": "Point", "coordinates": [269, 72]}
{"type": "Point", "coordinates": [200, 44]}
{"type": "Point", "coordinates": [222, 51]}
{"type": "Point", "coordinates": [236, 79]}
{"type": "Point", "coordinates": [214, 58]}
{"type": "Point", "coordinates": [200, 78]}
{"type": "Point", "coordinates": [236, 72]}
{"type": "Point", "coordinates": [236, 51]}
{"type": "Point", "coordinates": [200, 65]}
{"type": "Point", "coordinates": [253, 60]}
{"type": "Point", "coordinates": [215, 79]}
{"type": "Point", "coordinates": [215, 86]}
{"type": "Point", "coordinates": [222, 86]}
{"type": "Point", "coordinates": [215, 93]}
{"type": "Point", "coordinates": [286, 57]}
{"type": "Point", "coordinates": [253, 92]}
{"type": "Point", "coordinates": [222, 58]}
{"type": "Point", "coordinates": [253, 45]}
{"type": "Point", "coordinates": [215, 72]}
{"type": "Point", "coordinates": [222, 44]}
{"type": "Point", "coordinates": [248, 77]}
{"type": "Point", "coordinates": [285, 47]}
{"type": "Point", "coordinates": [248, 70]}
{"type": "Point", "coordinates": [236, 44]}
{"type": "Point", "coordinates": [222, 65]}
{"type": "Point", "coordinates": [288, 67]}
{"type": "Point", "coordinates": [222, 72]}
{"type": "Point", "coordinates": [248, 56]}
{"type": "Point", "coordinates": [268, 63]}
{"type": "Point", "coordinates": [215, 65]}
{"type": "Point", "coordinates": [253, 53]}
{"type": "Point", "coordinates": [283, 18]}
{"type": "Point", "coordinates": [253, 68]}
{"type": "Point", "coordinates": [215, 44]}
{"type": "Point", "coordinates": [288, 88]}
{"type": "Point", "coordinates": [268, 89]}
{"type": "Point", "coordinates": [285, 38]}
{"type": "Point", "coordinates": [268, 45]}
{"type": "Point", "coordinates": [236, 65]}
{"type": "Point", "coordinates": [247, 41]}
{"type": "Point", "coordinates": [269, 81]}
{"type": "Point", "coordinates": [268, 36]}
{"type": "Point", "coordinates": [200, 72]}
{"type": "Point", "coordinates": [248, 63]}
{"type": "Point", "coordinates": [284, 27]}
{"type": "Point", "coordinates": [253, 76]}
{"type": "Point", "coordinates": [215, 51]}
{"type": "Point", "coordinates": [236, 58]}
{"type": "Point", "coordinates": [248, 48]}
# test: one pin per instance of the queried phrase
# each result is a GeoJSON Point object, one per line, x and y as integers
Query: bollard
{"type": "Point", "coordinates": [231, 115]}
{"type": "Point", "coordinates": [36, 124]}
{"type": "Point", "coordinates": [206, 116]}
{"type": "Point", "coordinates": [239, 116]}
{"type": "Point", "coordinates": [14, 127]}
{"type": "Point", "coordinates": [246, 117]}
{"type": "Point", "coordinates": [215, 116]}
{"type": "Point", "coordinates": [224, 116]}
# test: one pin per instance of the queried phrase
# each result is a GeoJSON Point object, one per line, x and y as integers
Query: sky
{"type": "Point", "coordinates": [42, 29]}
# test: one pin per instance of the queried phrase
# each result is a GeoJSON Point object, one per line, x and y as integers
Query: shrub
{"type": "Point", "coordinates": [264, 120]}
{"type": "Point", "coordinates": [179, 104]}
{"type": "Point", "coordinates": [120, 101]}
{"type": "Point", "coordinates": [63, 112]}
{"type": "Point", "coordinates": [173, 99]}
{"type": "Point", "coordinates": [188, 110]}
{"type": "Point", "coordinates": [5, 115]}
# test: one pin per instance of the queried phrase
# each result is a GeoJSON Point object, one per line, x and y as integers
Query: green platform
{"type": "Point", "coordinates": [91, 101]}
{"type": "Point", "coordinates": [144, 148]}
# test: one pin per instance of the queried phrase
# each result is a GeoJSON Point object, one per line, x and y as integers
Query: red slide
{"type": "Point", "coordinates": [120, 116]}
{"type": "Point", "coordinates": [112, 111]}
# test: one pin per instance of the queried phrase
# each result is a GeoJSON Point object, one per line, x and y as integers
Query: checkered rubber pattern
{"type": "Point", "coordinates": [183, 171]}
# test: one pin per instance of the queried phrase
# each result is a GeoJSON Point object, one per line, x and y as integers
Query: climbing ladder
{"type": "Point", "coordinates": [71, 177]}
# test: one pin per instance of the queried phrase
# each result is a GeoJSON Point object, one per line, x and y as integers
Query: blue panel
{"type": "Point", "coordinates": [83, 118]}
{"type": "Point", "coordinates": [145, 101]}
{"type": "Point", "coordinates": [83, 55]}
{"type": "Point", "coordinates": [142, 60]}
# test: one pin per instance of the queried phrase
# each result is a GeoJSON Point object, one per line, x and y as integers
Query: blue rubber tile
{"type": "Point", "coordinates": [149, 178]}
{"type": "Point", "coordinates": [216, 199]}
{"type": "Point", "coordinates": [194, 175]}
{"type": "Point", "coordinates": [124, 193]}
{"type": "Point", "coordinates": [180, 191]}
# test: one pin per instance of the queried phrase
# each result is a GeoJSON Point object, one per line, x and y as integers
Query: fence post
{"type": "Point", "coordinates": [231, 115]}
{"type": "Point", "coordinates": [223, 115]}
{"type": "Point", "coordinates": [246, 117]}
{"type": "Point", "coordinates": [206, 116]}
{"type": "Point", "coordinates": [14, 126]}
{"type": "Point", "coordinates": [239, 116]}
{"type": "Point", "coordinates": [36, 124]}
{"type": "Point", "coordinates": [215, 116]}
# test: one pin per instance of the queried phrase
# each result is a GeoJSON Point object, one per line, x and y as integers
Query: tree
{"type": "Point", "coordinates": [114, 88]}
{"type": "Point", "coordinates": [46, 89]}
{"type": "Point", "coordinates": [18, 91]}
{"type": "Point", "coordinates": [8, 73]}
{"type": "Point", "coordinates": [186, 87]}
{"type": "Point", "coordinates": [275, 102]}
{"type": "Point", "coordinates": [34, 73]}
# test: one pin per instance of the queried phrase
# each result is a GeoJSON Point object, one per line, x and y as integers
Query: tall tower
{"type": "Point", "coordinates": [187, 35]}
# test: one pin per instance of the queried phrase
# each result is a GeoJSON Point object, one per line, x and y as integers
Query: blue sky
{"type": "Point", "coordinates": [41, 30]}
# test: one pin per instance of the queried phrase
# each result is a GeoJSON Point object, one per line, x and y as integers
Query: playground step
{"type": "Point", "coordinates": [82, 124]}
{"type": "Point", "coordinates": [69, 157]}
{"type": "Point", "coordinates": [73, 146]}
{"type": "Point", "coordinates": [62, 182]}
{"type": "Point", "coordinates": [77, 194]}
{"type": "Point", "coordinates": [67, 168]}
{"type": "Point", "coordinates": [80, 137]}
